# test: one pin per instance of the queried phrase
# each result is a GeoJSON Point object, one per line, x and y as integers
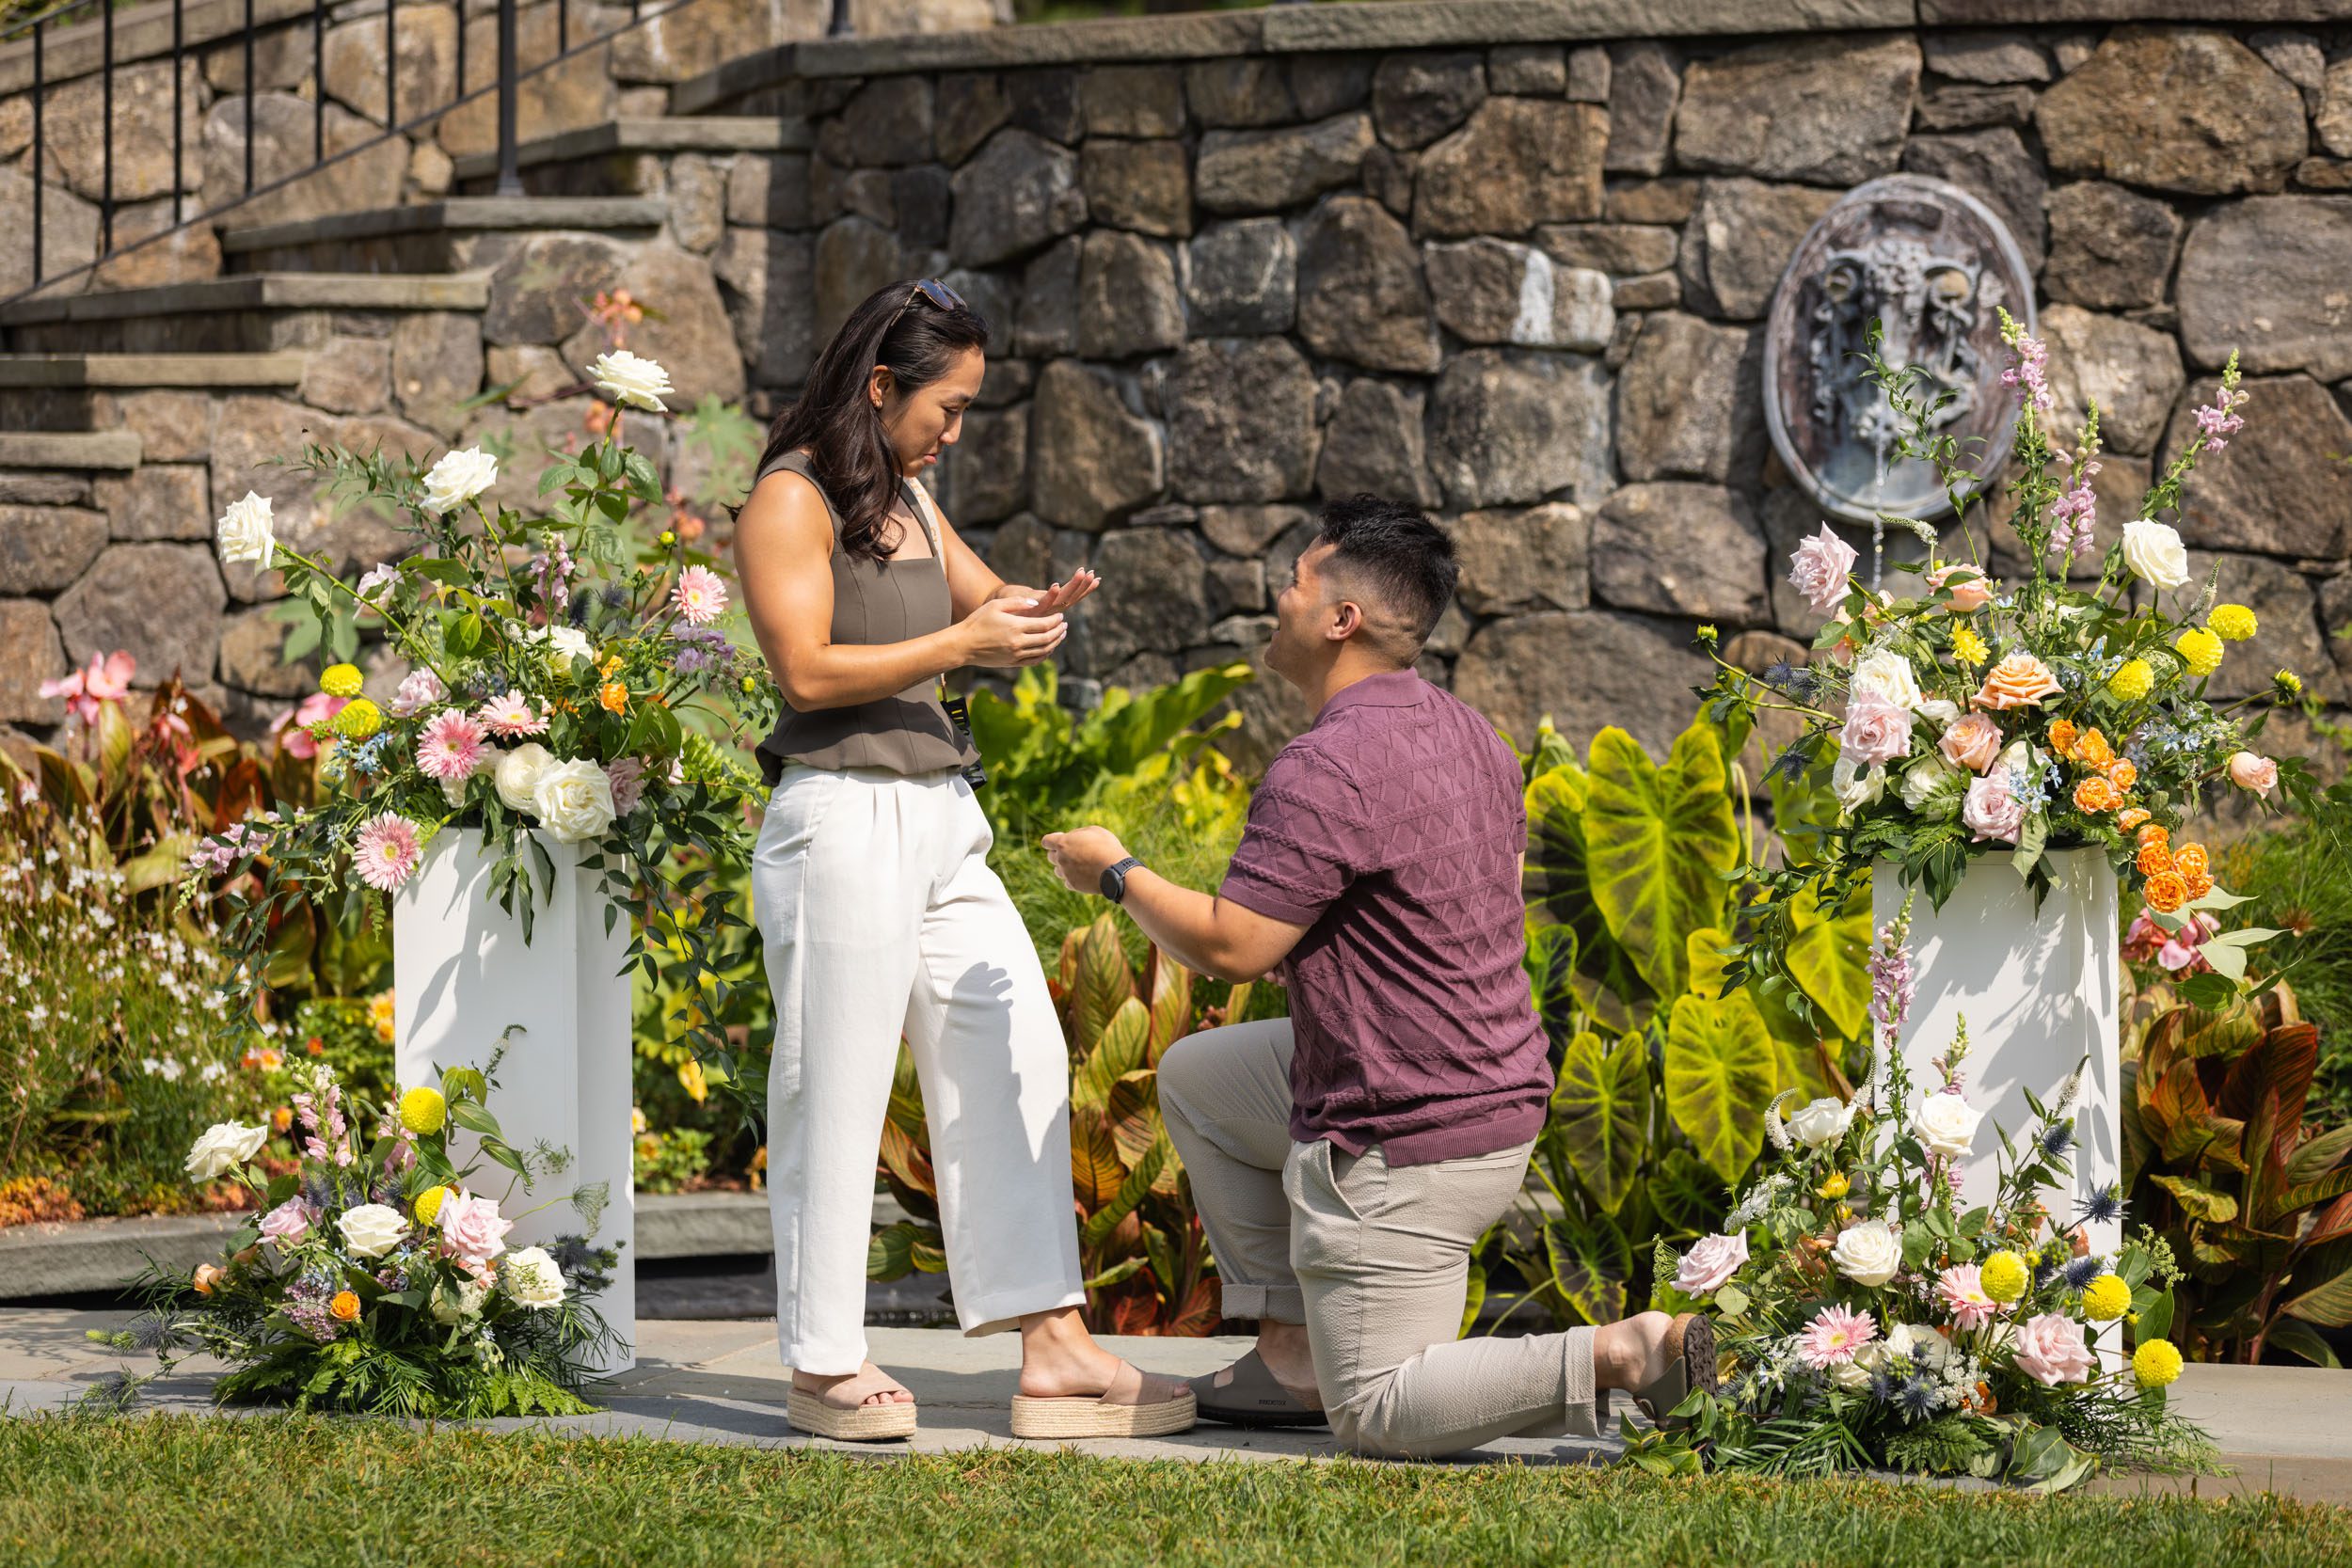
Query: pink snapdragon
{"type": "Point", "coordinates": [2075, 515]}
{"type": "Point", "coordinates": [1833, 1336]}
{"type": "Point", "coordinates": [2219, 420]}
{"type": "Point", "coordinates": [452, 747]}
{"type": "Point", "coordinates": [2030, 374]}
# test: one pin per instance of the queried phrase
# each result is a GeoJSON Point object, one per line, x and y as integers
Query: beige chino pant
{"type": "Point", "coordinates": [1373, 1259]}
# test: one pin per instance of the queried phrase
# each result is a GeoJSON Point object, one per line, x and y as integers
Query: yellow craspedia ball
{"type": "Point", "coordinates": [2200, 649]}
{"type": "Point", "coordinates": [2003, 1276]}
{"type": "Point", "coordinates": [422, 1110]}
{"type": "Point", "coordinates": [2156, 1363]}
{"type": "Point", "coordinates": [340, 680]}
{"type": "Point", "coordinates": [2132, 682]}
{"type": "Point", "coordinates": [2232, 623]}
{"type": "Point", "coordinates": [428, 1205]}
{"type": "Point", "coordinates": [2106, 1298]}
{"type": "Point", "coordinates": [358, 719]}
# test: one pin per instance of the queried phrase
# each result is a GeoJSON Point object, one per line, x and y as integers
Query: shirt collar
{"type": "Point", "coordinates": [1389, 689]}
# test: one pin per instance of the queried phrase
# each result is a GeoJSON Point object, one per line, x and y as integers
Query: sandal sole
{"type": "Point", "coordinates": [866, 1423]}
{"type": "Point", "coordinates": [1091, 1418]}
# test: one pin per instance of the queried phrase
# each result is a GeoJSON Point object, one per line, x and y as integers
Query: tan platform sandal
{"type": "Point", "coordinates": [840, 1413]}
{"type": "Point", "coordinates": [1096, 1416]}
{"type": "Point", "coordinates": [1690, 1364]}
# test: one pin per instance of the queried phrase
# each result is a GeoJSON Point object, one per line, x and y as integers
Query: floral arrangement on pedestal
{"type": "Point", "coordinates": [554, 664]}
{"type": "Point", "coordinates": [1968, 716]}
{"type": "Point", "coordinates": [1865, 1321]}
{"type": "Point", "coordinates": [376, 1276]}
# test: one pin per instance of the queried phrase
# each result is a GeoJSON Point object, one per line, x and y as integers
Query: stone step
{"type": "Point", "coordinates": [462, 233]}
{"type": "Point", "coordinates": [88, 448]}
{"type": "Point", "coordinates": [66, 391]}
{"type": "Point", "coordinates": [248, 313]}
{"type": "Point", "coordinates": [624, 157]}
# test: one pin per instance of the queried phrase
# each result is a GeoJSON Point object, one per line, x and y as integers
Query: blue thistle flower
{"type": "Point", "coordinates": [2058, 1138]}
{"type": "Point", "coordinates": [1916, 1398]}
{"type": "Point", "coordinates": [2102, 1206]}
{"type": "Point", "coordinates": [2082, 1270]}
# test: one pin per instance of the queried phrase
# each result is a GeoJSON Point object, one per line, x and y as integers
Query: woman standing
{"type": "Point", "coordinates": [874, 898]}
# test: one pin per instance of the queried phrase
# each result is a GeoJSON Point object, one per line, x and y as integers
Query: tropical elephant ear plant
{"type": "Point", "coordinates": [555, 668]}
{"type": "Point", "coordinates": [1968, 716]}
{"type": "Point", "coordinates": [1867, 1320]}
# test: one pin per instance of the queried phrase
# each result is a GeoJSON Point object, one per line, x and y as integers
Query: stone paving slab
{"type": "Point", "coordinates": [2279, 1428]}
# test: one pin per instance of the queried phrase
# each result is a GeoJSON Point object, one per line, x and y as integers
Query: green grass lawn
{"type": "Point", "coordinates": [286, 1491]}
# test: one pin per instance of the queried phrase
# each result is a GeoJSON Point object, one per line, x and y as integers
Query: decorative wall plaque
{"type": "Point", "coordinates": [1931, 264]}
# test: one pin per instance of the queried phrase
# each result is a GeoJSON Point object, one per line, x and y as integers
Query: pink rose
{"type": "Point", "coordinates": [2050, 1350]}
{"type": "Point", "coordinates": [289, 1222]}
{"type": "Point", "coordinates": [2257, 773]}
{"type": "Point", "coordinates": [1876, 729]}
{"type": "Point", "coordinates": [1963, 1295]}
{"type": "Point", "coordinates": [471, 1230]}
{"type": "Point", "coordinates": [1970, 593]}
{"type": "Point", "coordinates": [1710, 1261]}
{"type": "Point", "coordinates": [1992, 809]}
{"type": "Point", "coordinates": [627, 779]}
{"type": "Point", "coordinates": [1818, 570]}
{"type": "Point", "coordinates": [1972, 742]}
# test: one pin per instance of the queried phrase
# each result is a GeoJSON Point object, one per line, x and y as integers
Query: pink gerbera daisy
{"type": "Point", "coordinates": [511, 717]}
{"type": "Point", "coordinates": [452, 746]}
{"type": "Point", "coordinates": [386, 853]}
{"type": "Point", "coordinates": [700, 595]}
{"type": "Point", "coordinates": [1833, 1336]}
{"type": "Point", "coordinates": [1962, 1294]}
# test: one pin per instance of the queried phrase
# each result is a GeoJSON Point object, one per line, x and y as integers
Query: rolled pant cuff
{"type": "Point", "coordinates": [1283, 1304]}
{"type": "Point", "coordinates": [1580, 1419]}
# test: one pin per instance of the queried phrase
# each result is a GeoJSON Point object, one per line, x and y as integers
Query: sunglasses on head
{"type": "Point", "coordinates": [940, 297]}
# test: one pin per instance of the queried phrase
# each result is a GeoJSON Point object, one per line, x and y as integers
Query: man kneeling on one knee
{"type": "Point", "coordinates": [1348, 1159]}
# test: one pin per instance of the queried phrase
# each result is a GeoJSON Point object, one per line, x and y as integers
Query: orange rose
{"type": "Point", "coordinates": [206, 1277]}
{"type": "Point", "coordinates": [2167, 892]}
{"type": "Point", "coordinates": [2155, 832]}
{"type": "Point", "coordinates": [2155, 858]}
{"type": "Point", "coordinates": [2190, 860]}
{"type": "Point", "coordinates": [2133, 816]}
{"type": "Point", "coordinates": [2122, 774]}
{"type": "Point", "coordinates": [2062, 735]}
{"type": "Point", "coordinates": [345, 1307]}
{"type": "Point", "coordinates": [2198, 885]}
{"type": "Point", "coordinates": [2094, 749]}
{"type": "Point", "coordinates": [2019, 680]}
{"type": "Point", "coordinates": [2094, 794]}
{"type": "Point", "coordinates": [615, 697]}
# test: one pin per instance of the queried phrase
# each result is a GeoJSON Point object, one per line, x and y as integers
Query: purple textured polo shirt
{"type": "Point", "coordinates": [1392, 829]}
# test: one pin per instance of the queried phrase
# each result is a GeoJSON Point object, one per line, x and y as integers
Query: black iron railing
{"type": "Point", "coordinates": [507, 76]}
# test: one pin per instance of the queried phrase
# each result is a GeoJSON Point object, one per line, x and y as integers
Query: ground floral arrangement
{"type": "Point", "coordinates": [378, 1277]}
{"type": "Point", "coordinates": [1867, 1321]}
{"type": "Point", "coordinates": [554, 667]}
{"type": "Point", "coordinates": [1971, 716]}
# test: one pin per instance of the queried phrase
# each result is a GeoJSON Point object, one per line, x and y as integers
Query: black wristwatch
{"type": "Point", "coordinates": [1115, 879]}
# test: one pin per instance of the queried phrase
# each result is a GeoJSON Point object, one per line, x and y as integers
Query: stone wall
{"type": "Point", "coordinates": [1523, 284]}
{"type": "Point", "coordinates": [630, 76]}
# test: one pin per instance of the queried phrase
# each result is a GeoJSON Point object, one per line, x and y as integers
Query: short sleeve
{"type": "Point", "coordinates": [1305, 842]}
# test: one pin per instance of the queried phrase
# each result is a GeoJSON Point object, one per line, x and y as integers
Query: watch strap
{"type": "Point", "coordinates": [1115, 879]}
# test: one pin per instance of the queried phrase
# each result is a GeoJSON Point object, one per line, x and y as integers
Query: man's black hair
{"type": "Point", "coordinates": [1398, 554]}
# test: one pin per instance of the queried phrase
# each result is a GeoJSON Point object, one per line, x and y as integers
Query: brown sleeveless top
{"type": "Point", "coordinates": [874, 602]}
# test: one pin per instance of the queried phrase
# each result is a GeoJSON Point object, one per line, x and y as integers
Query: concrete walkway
{"type": "Point", "coordinates": [2280, 1429]}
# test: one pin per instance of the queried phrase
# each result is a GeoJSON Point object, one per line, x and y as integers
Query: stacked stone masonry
{"type": "Point", "coordinates": [1521, 282]}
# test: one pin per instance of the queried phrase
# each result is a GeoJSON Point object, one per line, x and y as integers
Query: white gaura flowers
{"type": "Point", "coordinates": [632, 380]}
{"type": "Point", "coordinates": [245, 533]}
{"type": "Point", "coordinates": [458, 478]}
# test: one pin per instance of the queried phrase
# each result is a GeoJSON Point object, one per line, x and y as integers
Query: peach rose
{"type": "Point", "coordinates": [1972, 742]}
{"type": "Point", "coordinates": [2248, 770]}
{"type": "Point", "coordinates": [1970, 593]}
{"type": "Point", "coordinates": [2019, 680]}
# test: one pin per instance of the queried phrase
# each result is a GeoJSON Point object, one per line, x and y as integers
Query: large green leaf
{"type": "Point", "coordinates": [1104, 985]}
{"type": "Point", "coordinates": [1829, 956]}
{"type": "Point", "coordinates": [1119, 1051]}
{"type": "Point", "coordinates": [1720, 1072]}
{"type": "Point", "coordinates": [1590, 1261]}
{"type": "Point", "coordinates": [1558, 888]}
{"type": "Point", "coordinates": [1600, 1107]}
{"type": "Point", "coordinates": [1688, 1200]}
{"type": "Point", "coordinates": [2328, 1305]}
{"type": "Point", "coordinates": [1659, 842]}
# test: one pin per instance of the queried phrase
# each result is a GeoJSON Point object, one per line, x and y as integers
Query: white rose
{"type": "Point", "coordinates": [1854, 1375]}
{"type": "Point", "coordinates": [575, 800]}
{"type": "Point", "coordinates": [372, 1230]}
{"type": "Point", "coordinates": [632, 379]}
{"type": "Point", "coordinates": [1946, 1125]}
{"type": "Point", "coordinates": [1890, 675]}
{"type": "Point", "coordinates": [458, 478]}
{"type": "Point", "coordinates": [464, 1304]}
{"type": "Point", "coordinates": [1867, 1253]}
{"type": "Point", "coordinates": [1821, 1121]}
{"type": "Point", "coordinates": [1922, 1346]}
{"type": "Point", "coordinates": [1856, 787]}
{"type": "Point", "coordinates": [245, 531]}
{"type": "Point", "coordinates": [1940, 711]}
{"type": "Point", "coordinates": [224, 1146]}
{"type": "Point", "coordinates": [533, 1278]}
{"type": "Point", "coordinates": [2153, 552]}
{"type": "Point", "coordinates": [564, 644]}
{"type": "Point", "coordinates": [517, 775]}
{"type": "Point", "coordinates": [454, 791]}
{"type": "Point", "coordinates": [1931, 780]}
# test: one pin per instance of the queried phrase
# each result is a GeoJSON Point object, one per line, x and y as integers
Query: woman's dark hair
{"type": "Point", "coordinates": [903, 327]}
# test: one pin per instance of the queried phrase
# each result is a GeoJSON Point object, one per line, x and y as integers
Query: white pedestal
{"type": "Point", "coordinates": [462, 974]}
{"type": "Point", "coordinates": [2039, 994]}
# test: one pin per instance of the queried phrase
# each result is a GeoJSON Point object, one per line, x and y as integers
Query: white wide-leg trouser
{"type": "Point", "coordinates": [881, 917]}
